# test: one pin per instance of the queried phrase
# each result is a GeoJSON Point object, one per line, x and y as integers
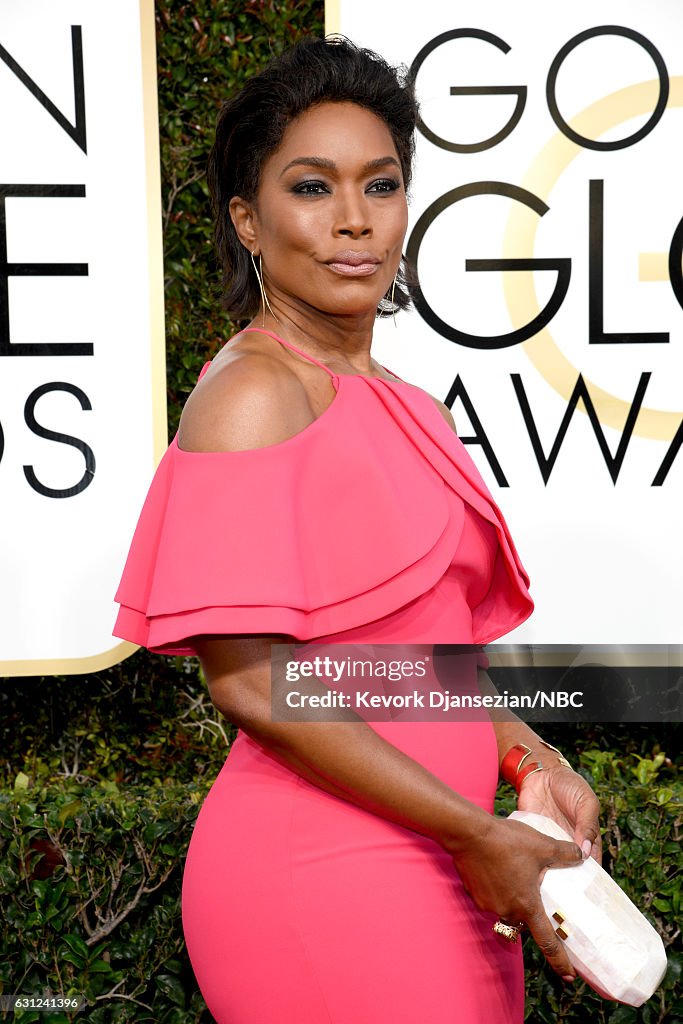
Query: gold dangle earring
{"type": "Point", "coordinates": [386, 304]}
{"type": "Point", "coordinates": [264, 297]}
{"type": "Point", "coordinates": [393, 306]}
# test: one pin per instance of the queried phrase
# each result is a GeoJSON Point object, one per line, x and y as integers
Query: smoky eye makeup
{"type": "Point", "coordinates": [387, 184]}
{"type": "Point", "coordinates": [314, 186]}
{"type": "Point", "coordinates": [309, 186]}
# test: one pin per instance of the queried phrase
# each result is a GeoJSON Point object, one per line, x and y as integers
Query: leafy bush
{"type": "Point", "coordinates": [103, 922]}
{"type": "Point", "coordinates": [102, 782]}
{"type": "Point", "coordinates": [641, 798]}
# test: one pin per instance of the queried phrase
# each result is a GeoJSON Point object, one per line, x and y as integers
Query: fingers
{"type": "Point", "coordinates": [587, 832]}
{"type": "Point", "coordinates": [562, 855]}
{"type": "Point", "coordinates": [565, 855]}
{"type": "Point", "coordinates": [547, 941]}
{"type": "Point", "coordinates": [587, 816]}
{"type": "Point", "coordinates": [587, 825]}
{"type": "Point", "coordinates": [596, 849]}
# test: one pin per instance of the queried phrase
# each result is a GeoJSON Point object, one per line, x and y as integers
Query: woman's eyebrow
{"type": "Point", "coordinates": [321, 161]}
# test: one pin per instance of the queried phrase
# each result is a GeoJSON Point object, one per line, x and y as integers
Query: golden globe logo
{"type": "Point", "coordinates": [529, 201]}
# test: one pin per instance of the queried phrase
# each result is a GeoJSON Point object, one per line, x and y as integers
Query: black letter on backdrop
{"type": "Point", "coordinates": [53, 435]}
{"type": "Point", "coordinates": [662, 73]}
{"type": "Point", "coordinates": [7, 270]}
{"type": "Point", "coordinates": [457, 390]}
{"type": "Point", "coordinates": [596, 301]}
{"type": "Point", "coordinates": [676, 263]}
{"type": "Point", "coordinates": [613, 462]}
{"type": "Point", "coordinates": [471, 90]}
{"type": "Point", "coordinates": [668, 460]}
{"type": "Point", "coordinates": [562, 266]}
{"type": "Point", "coordinates": [74, 131]}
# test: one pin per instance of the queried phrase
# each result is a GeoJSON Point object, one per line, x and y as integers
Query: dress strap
{"type": "Point", "coordinates": [288, 344]}
{"type": "Point", "coordinates": [393, 373]}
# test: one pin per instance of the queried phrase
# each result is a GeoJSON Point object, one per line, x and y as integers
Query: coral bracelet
{"type": "Point", "coordinates": [516, 766]}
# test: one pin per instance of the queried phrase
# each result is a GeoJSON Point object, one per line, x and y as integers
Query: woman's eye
{"type": "Point", "coordinates": [385, 185]}
{"type": "Point", "coordinates": [310, 188]}
{"type": "Point", "coordinates": [313, 187]}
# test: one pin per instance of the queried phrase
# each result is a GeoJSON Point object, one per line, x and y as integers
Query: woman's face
{"type": "Point", "coordinates": [330, 214]}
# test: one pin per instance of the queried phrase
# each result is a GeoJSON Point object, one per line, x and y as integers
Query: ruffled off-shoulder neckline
{"type": "Point", "coordinates": [344, 522]}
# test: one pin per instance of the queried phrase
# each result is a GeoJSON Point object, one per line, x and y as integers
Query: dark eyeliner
{"type": "Point", "coordinates": [393, 182]}
{"type": "Point", "coordinates": [300, 187]}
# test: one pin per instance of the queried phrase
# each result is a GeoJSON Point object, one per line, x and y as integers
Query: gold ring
{"type": "Point", "coordinates": [508, 931]}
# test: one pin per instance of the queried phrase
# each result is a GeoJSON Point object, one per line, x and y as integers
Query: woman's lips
{"type": "Point", "coordinates": [351, 270]}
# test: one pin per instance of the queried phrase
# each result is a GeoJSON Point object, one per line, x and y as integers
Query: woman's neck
{"type": "Point", "coordinates": [344, 341]}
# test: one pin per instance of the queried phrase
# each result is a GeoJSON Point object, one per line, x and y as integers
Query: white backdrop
{"type": "Point", "coordinates": [603, 549]}
{"type": "Point", "coordinates": [65, 527]}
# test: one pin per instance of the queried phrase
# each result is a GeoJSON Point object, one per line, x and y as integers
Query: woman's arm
{"type": "Point", "coordinates": [501, 862]}
{"type": "Point", "coordinates": [557, 792]}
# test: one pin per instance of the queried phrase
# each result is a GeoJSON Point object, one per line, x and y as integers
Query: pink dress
{"type": "Point", "coordinates": [372, 525]}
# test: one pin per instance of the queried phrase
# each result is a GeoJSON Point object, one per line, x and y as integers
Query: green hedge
{"type": "Point", "coordinates": [103, 922]}
{"type": "Point", "coordinates": [641, 798]}
{"type": "Point", "coordinates": [102, 776]}
{"type": "Point", "coordinates": [101, 783]}
{"type": "Point", "coordinates": [102, 779]}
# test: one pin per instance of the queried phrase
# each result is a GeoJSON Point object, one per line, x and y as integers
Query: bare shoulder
{"type": "Point", "coordinates": [445, 412]}
{"type": "Point", "coordinates": [245, 400]}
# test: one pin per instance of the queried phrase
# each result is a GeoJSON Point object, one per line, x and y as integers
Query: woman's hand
{"type": "Point", "coordinates": [563, 795]}
{"type": "Point", "coordinates": [502, 869]}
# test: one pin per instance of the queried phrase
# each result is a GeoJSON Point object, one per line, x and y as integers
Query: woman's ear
{"type": "Point", "coordinates": [243, 217]}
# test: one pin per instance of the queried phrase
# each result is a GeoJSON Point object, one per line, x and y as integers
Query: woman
{"type": "Point", "coordinates": [346, 871]}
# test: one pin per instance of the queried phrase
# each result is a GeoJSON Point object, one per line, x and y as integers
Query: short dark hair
{"type": "Point", "coordinates": [251, 125]}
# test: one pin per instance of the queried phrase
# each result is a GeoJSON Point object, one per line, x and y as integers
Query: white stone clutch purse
{"type": "Point", "coordinates": [609, 942]}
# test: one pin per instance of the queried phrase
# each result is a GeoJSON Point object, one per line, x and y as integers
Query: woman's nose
{"type": "Point", "coordinates": [352, 217]}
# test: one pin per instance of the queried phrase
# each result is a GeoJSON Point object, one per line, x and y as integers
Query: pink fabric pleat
{"type": "Point", "coordinates": [347, 521]}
